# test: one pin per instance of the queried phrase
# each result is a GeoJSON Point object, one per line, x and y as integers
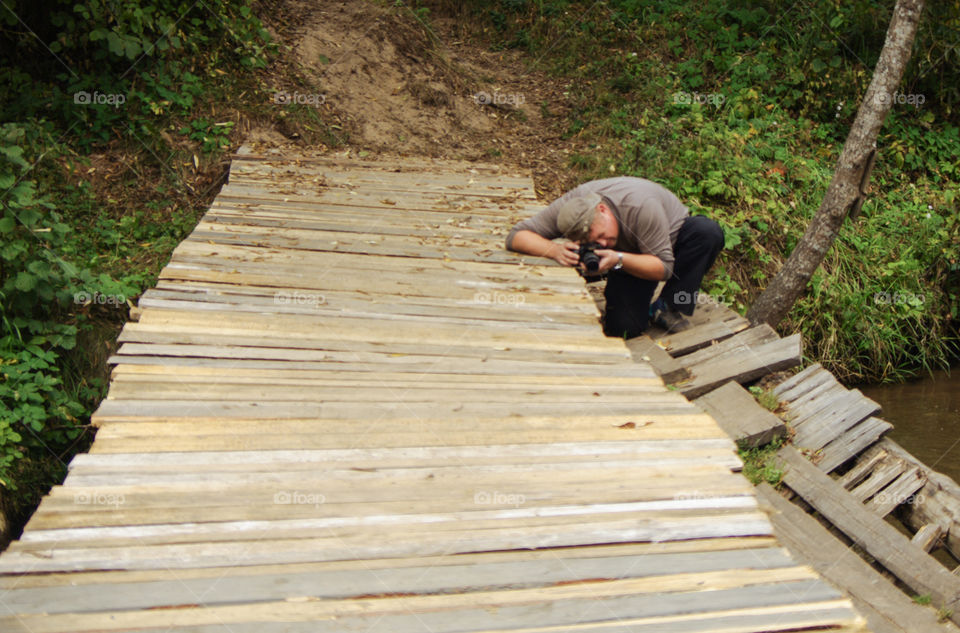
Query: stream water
{"type": "Point", "coordinates": [926, 418]}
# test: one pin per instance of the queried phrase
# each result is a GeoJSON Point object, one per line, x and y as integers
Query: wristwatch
{"type": "Point", "coordinates": [619, 263]}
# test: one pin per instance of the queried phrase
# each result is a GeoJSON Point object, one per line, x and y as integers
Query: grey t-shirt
{"type": "Point", "coordinates": [649, 216]}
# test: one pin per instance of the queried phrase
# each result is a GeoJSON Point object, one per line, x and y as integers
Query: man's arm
{"type": "Point", "coordinates": [637, 264]}
{"type": "Point", "coordinates": [528, 242]}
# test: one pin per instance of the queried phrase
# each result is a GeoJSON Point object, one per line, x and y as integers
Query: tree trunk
{"type": "Point", "coordinates": [851, 173]}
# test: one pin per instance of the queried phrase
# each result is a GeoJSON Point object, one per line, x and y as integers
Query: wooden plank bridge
{"type": "Point", "coordinates": [345, 407]}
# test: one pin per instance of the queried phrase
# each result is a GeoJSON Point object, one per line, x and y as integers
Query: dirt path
{"type": "Point", "coordinates": [406, 86]}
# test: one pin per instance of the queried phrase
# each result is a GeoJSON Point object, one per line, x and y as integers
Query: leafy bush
{"type": "Point", "coordinates": [36, 287]}
{"type": "Point", "coordinates": [87, 75]}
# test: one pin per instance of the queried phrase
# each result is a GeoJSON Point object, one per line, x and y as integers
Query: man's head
{"type": "Point", "coordinates": [589, 218]}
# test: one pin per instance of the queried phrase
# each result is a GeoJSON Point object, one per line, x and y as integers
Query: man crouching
{"type": "Point", "coordinates": [643, 235]}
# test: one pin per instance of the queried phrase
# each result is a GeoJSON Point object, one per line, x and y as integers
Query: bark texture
{"type": "Point", "coordinates": [789, 284]}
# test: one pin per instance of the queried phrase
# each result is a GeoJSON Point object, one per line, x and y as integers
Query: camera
{"type": "Point", "coordinates": [589, 258]}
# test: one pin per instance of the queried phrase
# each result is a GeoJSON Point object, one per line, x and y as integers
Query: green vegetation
{"type": "Point", "coordinates": [760, 463]}
{"type": "Point", "coordinates": [742, 108]}
{"type": "Point", "coordinates": [115, 118]}
{"type": "Point", "coordinates": [765, 397]}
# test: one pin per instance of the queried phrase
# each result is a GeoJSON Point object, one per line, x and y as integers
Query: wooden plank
{"type": "Point", "coordinates": [851, 443]}
{"type": "Point", "coordinates": [118, 578]}
{"type": "Point", "coordinates": [864, 466]}
{"type": "Point", "coordinates": [830, 421]}
{"type": "Point", "coordinates": [887, 609]}
{"type": "Point", "coordinates": [815, 399]}
{"type": "Point", "coordinates": [469, 572]}
{"type": "Point", "coordinates": [86, 476]}
{"type": "Point", "coordinates": [605, 603]}
{"type": "Point", "coordinates": [345, 544]}
{"type": "Point", "coordinates": [879, 477]}
{"type": "Point", "coordinates": [752, 364]}
{"type": "Point", "coordinates": [352, 375]}
{"type": "Point", "coordinates": [695, 338]}
{"type": "Point", "coordinates": [881, 540]}
{"type": "Point", "coordinates": [356, 362]}
{"type": "Point", "coordinates": [485, 311]}
{"type": "Point", "coordinates": [800, 378]}
{"type": "Point", "coordinates": [813, 377]}
{"type": "Point", "coordinates": [199, 252]}
{"type": "Point", "coordinates": [731, 347]}
{"type": "Point", "coordinates": [741, 416]}
{"type": "Point", "coordinates": [927, 537]}
{"type": "Point", "coordinates": [437, 523]}
{"type": "Point", "coordinates": [407, 457]}
{"type": "Point", "coordinates": [115, 410]}
{"type": "Point", "coordinates": [644, 349]}
{"type": "Point", "coordinates": [899, 492]}
{"type": "Point", "coordinates": [319, 341]}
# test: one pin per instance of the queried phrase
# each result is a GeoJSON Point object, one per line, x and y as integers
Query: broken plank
{"type": "Point", "coordinates": [887, 609]}
{"type": "Point", "coordinates": [913, 566]}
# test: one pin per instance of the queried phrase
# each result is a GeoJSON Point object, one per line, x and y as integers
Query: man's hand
{"type": "Point", "coordinates": [532, 244]}
{"type": "Point", "coordinates": [608, 259]}
{"type": "Point", "coordinates": [565, 254]}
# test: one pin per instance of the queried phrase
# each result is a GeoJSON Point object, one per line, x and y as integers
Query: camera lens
{"type": "Point", "coordinates": [591, 261]}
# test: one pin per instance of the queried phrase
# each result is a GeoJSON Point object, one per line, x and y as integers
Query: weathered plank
{"type": "Point", "coordinates": [927, 537]}
{"type": "Point", "coordinates": [731, 347]}
{"type": "Point", "coordinates": [645, 349]}
{"type": "Point", "coordinates": [741, 416]}
{"type": "Point", "coordinates": [784, 389]}
{"type": "Point", "coordinates": [749, 365]}
{"type": "Point", "coordinates": [832, 419]}
{"type": "Point", "coordinates": [901, 491]}
{"type": "Point", "coordinates": [849, 444]}
{"type": "Point", "coordinates": [687, 341]}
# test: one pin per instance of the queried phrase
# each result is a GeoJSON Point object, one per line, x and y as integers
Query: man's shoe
{"type": "Point", "coordinates": [670, 320]}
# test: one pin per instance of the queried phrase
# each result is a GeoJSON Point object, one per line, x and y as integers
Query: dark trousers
{"type": "Point", "coordinates": [699, 241]}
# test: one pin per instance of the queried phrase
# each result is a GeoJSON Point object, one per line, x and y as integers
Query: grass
{"type": "Point", "coordinates": [760, 464]}
{"type": "Point", "coordinates": [765, 397]}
